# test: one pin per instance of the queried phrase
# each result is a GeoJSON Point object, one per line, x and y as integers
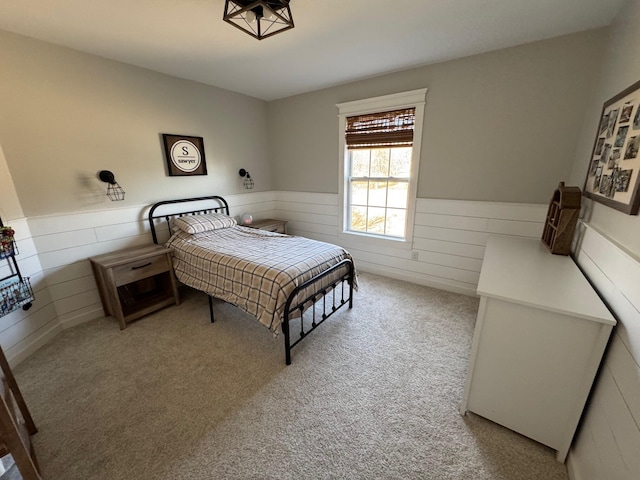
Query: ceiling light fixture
{"type": "Point", "coordinates": [261, 18]}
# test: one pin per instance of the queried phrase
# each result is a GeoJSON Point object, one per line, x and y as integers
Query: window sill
{"type": "Point", "coordinates": [365, 239]}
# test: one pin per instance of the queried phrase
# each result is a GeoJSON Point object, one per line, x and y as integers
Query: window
{"type": "Point", "coordinates": [379, 147]}
{"type": "Point", "coordinates": [380, 164]}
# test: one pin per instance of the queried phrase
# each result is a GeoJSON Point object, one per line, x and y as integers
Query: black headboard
{"type": "Point", "coordinates": [205, 205]}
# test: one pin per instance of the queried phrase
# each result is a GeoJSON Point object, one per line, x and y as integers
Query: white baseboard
{"type": "Point", "coordinates": [408, 277]}
{"type": "Point", "coordinates": [82, 318]}
{"type": "Point", "coordinates": [37, 343]}
{"type": "Point", "coordinates": [574, 473]}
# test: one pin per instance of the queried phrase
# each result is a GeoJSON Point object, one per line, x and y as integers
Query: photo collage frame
{"type": "Point", "coordinates": [612, 178]}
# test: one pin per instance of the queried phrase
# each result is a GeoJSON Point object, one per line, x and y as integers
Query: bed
{"type": "Point", "coordinates": [281, 280]}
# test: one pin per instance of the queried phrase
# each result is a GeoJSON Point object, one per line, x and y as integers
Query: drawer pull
{"type": "Point", "coordinates": [141, 266]}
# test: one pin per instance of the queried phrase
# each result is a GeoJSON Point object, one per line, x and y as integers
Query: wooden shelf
{"type": "Point", "coordinates": [16, 427]}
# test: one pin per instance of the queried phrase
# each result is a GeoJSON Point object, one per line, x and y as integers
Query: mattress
{"type": "Point", "coordinates": [253, 269]}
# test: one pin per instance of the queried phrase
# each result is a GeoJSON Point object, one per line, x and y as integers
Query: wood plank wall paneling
{"type": "Point", "coordinates": [608, 440]}
{"type": "Point", "coordinates": [54, 252]}
{"type": "Point", "coordinates": [22, 332]}
{"type": "Point", "coordinates": [449, 240]}
{"type": "Point", "coordinates": [449, 236]}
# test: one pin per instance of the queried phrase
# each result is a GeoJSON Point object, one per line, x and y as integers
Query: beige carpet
{"type": "Point", "coordinates": [372, 394]}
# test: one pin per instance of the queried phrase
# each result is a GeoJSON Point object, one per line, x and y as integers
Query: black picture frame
{"type": "Point", "coordinates": [613, 176]}
{"type": "Point", "coordinates": [184, 154]}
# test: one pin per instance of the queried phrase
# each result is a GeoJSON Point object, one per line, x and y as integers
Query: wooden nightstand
{"type": "Point", "coordinates": [270, 224]}
{"type": "Point", "coordinates": [135, 282]}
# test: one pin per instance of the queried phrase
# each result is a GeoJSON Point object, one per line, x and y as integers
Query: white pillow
{"type": "Point", "coordinates": [204, 223]}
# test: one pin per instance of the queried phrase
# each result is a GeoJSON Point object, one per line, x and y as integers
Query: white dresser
{"type": "Point", "coordinates": [539, 338]}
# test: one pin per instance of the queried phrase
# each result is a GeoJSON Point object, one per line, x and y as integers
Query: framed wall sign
{"type": "Point", "coordinates": [185, 155]}
{"type": "Point", "coordinates": [613, 175]}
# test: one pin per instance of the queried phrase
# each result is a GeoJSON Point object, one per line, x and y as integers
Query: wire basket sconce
{"type": "Point", "coordinates": [114, 191]}
{"type": "Point", "coordinates": [248, 181]}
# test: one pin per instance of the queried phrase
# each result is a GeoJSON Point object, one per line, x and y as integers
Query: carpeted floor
{"type": "Point", "coordinates": [372, 394]}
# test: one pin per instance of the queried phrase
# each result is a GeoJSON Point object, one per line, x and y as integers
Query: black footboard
{"type": "Point", "coordinates": [330, 291]}
{"type": "Point", "coordinates": [320, 294]}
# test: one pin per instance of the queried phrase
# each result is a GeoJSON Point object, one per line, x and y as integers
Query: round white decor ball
{"type": "Point", "coordinates": [246, 219]}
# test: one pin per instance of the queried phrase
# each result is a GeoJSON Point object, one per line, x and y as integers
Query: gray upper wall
{"type": "Point", "coordinates": [500, 126]}
{"type": "Point", "coordinates": [620, 69]}
{"type": "Point", "coordinates": [65, 115]}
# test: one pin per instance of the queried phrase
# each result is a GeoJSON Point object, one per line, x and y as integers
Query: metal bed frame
{"type": "Point", "coordinates": [292, 307]}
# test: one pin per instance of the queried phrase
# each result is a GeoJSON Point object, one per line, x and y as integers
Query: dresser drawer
{"type": "Point", "coordinates": [140, 269]}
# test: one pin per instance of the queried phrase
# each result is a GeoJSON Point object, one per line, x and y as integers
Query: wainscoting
{"type": "Point", "coordinates": [53, 253]}
{"type": "Point", "coordinates": [23, 332]}
{"type": "Point", "coordinates": [608, 440]}
{"type": "Point", "coordinates": [449, 241]}
{"type": "Point", "coordinates": [449, 236]}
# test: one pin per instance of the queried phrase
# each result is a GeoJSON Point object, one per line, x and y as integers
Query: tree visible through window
{"type": "Point", "coordinates": [379, 171]}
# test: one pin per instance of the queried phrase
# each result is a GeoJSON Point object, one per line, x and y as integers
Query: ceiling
{"type": "Point", "coordinates": [333, 42]}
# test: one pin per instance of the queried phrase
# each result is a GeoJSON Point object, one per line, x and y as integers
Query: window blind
{"type": "Point", "coordinates": [381, 129]}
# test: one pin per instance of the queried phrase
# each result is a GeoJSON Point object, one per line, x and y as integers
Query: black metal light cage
{"type": "Point", "coordinates": [248, 181]}
{"type": "Point", "coordinates": [114, 190]}
{"type": "Point", "coordinates": [259, 18]}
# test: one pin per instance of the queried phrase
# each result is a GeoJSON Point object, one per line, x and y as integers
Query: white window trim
{"type": "Point", "coordinates": [413, 98]}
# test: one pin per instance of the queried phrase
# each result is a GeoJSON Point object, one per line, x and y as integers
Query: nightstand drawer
{"type": "Point", "coordinates": [270, 225]}
{"type": "Point", "coordinates": [139, 270]}
{"type": "Point", "coordinates": [280, 228]}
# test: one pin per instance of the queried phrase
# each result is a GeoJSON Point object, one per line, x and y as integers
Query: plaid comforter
{"type": "Point", "coordinates": [252, 269]}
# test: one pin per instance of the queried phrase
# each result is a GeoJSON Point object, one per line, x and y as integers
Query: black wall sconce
{"type": "Point", "coordinates": [114, 191]}
{"type": "Point", "coordinates": [248, 181]}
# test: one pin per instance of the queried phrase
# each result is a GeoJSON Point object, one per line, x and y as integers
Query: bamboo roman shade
{"type": "Point", "coordinates": [381, 129]}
